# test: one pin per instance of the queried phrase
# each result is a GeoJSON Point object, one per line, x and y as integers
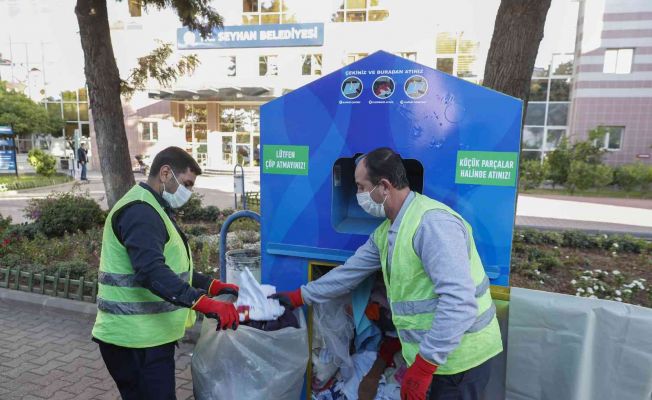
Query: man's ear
{"type": "Point", "coordinates": [165, 172]}
{"type": "Point", "coordinates": [386, 184]}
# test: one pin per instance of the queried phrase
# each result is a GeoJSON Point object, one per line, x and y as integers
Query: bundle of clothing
{"type": "Point", "coordinates": [355, 350]}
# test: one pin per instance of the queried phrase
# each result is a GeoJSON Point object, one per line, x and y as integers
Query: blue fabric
{"type": "Point", "coordinates": [367, 334]}
{"type": "Point", "coordinates": [83, 172]}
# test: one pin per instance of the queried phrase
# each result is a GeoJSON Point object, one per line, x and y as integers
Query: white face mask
{"type": "Point", "coordinates": [369, 205]}
{"type": "Point", "coordinates": [178, 198]}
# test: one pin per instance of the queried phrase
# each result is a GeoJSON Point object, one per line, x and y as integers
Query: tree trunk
{"type": "Point", "coordinates": [103, 82]}
{"type": "Point", "coordinates": [514, 46]}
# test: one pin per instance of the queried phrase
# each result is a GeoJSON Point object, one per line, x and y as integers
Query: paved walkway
{"type": "Point", "coordinates": [611, 215]}
{"type": "Point", "coordinates": [613, 201]}
{"type": "Point", "coordinates": [47, 353]}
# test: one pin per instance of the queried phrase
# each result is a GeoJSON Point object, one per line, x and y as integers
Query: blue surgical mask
{"type": "Point", "coordinates": [369, 205]}
{"type": "Point", "coordinates": [178, 198]}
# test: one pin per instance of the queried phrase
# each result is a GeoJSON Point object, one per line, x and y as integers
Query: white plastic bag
{"type": "Point", "coordinates": [335, 326]}
{"type": "Point", "coordinates": [254, 295]}
{"type": "Point", "coordinates": [249, 363]}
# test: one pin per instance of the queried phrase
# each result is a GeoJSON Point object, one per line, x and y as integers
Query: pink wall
{"type": "Point", "coordinates": [635, 114]}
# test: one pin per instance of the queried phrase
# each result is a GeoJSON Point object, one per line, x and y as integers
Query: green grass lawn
{"type": "Point", "coordinates": [606, 192]}
{"type": "Point", "coordinates": [29, 181]}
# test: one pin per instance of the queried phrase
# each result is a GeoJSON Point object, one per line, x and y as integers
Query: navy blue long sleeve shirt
{"type": "Point", "coordinates": [142, 231]}
{"type": "Point", "coordinates": [82, 155]}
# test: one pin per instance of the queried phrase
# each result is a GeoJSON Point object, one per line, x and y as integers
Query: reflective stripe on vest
{"type": "Point", "coordinates": [428, 305]}
{"type": "Point", "coordinates": [128, 280]}
{"type": "Point", "coordinates": [481, 322]}
{"type": "Point", "coordinates": [136, 308]}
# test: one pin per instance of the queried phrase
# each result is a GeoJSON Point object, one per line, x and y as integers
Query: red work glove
{"type": "Point", "coordinates": [225, 313]}
{"type": "Point", "coordinates": [372, 311]}
{"type": "Point", "coordinates": [388, 348]}
{"type": "Point", "coordinates": [289, 300]}
{"type": "Point", "coordinates": [417, 379]}
{"type": "Point", "coordinates": [218, 287]}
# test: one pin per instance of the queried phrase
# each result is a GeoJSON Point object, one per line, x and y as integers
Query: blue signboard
{"type": "Point", "coordinates": [7, 149]}
{"type": "Point", "coordinates": [460, 143]}
{"type": "Point", "coordinates": [283, 35]}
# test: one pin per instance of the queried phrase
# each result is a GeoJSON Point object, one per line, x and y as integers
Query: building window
{"type": "Point", "coordinates": [353, 57]}
{"type": "Point", "coordinates": [135, 8]}
{"type": "Point", "coordinates": [195, 119]}
{"type": "Point", "coordinates": [72, 107]}
{"type": "Point", "coordinates": [239, 118]}
{"type": "Point", "coordinates": [535, 114]}
{"type": "Point", "coordinates": [560, 89]}
{"type": "Point", "coordinates": [457, 55]}
{"type": "Point", "coordinates": [612, 139]}
{"type": "Point", "coordinates": [311, 64]}
{"type": "Point", "coordinates": [562, 64]}
{"type": "Point", "coordinates": [547, 109]}
{"type": "Point", "coordinates": [618, 61]}
{"type": "Point", "coordinates": [554, 137]}
{"type": "Point", "coordinates": [227, 65]}
{"type": "Point", "coordinates": [532, 138]}
{"type": "Point", "coordinates": [410, 55]}
{"type": "Point", "coordinates": [359, 11]}
{"type": "Point", "coordinates": [263, 12]}
{"type": "Point", "coordinates": [557, 114]}
{"type": "Point", "coordinates": [538, 90]}
{"type": "Point", "coordinates": [239, 127]}
{"type": "Point", "coordinates": [268, 65]}
{"type": "Point", "coordinates": [446, 43]}
{"type": "Point", "coordinates": [446, 65]}
{"type": "Point", "coordinates": [148, 131]}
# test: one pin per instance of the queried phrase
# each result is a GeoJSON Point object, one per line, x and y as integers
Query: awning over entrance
{"type": "Point", "coordinates": [227, 93]}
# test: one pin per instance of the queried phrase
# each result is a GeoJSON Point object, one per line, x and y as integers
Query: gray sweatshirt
{"type": "Point", "coordinates": [442, 243]}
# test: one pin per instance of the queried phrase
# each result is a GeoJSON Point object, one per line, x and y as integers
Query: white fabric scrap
{"type": "Point", "coordinates": [254, 295]}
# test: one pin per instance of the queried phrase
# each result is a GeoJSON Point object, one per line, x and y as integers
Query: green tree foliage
{"type": "Point", "coordinates": [155, 66]}
{"type": "Point", "coordinates": [532, 173]}
{"type": "Point", "coordinates": [25, 115]}
{"type": "Point", "coordinates": [44, 163]}
{"type": "Point", "coordinates": [583, 176]}
{"type": "Point", "coordinates": [559, 162]}
{"type": "Point", "coordinates": [578, 159]}
{"type": "Point", "coordinates": [633, 176]}
{"type": "Point", "coordinates": [62, 213]}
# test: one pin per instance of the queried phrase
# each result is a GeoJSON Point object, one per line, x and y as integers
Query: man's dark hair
{"type": "Point", "coordinates": [385, 163]}
{"type": "Point", "coordinates": [178, 159]}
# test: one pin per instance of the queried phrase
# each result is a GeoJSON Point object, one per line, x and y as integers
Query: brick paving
{"type": "Point", "coordinates": [47, 353]}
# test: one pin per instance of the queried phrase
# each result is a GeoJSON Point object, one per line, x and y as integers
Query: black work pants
{"type": "Point", "coordinates": [141, 374]}
{"type": "Point", "coordinates": [467, 385]}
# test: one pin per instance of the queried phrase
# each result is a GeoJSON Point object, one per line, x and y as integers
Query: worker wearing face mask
{"type": "Point", "coordinates": [436, 285]}
{"type": "Point", "coordinates": [147, 287]}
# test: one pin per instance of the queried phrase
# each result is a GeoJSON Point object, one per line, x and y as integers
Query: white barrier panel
{"type": "Point", "coordinates": [567, 347]}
